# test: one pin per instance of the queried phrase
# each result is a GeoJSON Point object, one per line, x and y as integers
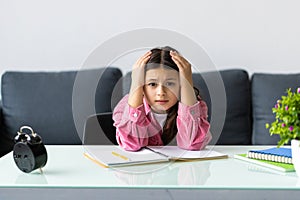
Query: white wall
{"type": "Point", "coordinates": [257, 35]}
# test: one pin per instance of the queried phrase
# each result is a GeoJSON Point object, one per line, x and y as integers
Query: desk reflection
{"type": "Point", "coordinates": [31, 178]}
{"type": "Point", "coordinates": [177, 173]}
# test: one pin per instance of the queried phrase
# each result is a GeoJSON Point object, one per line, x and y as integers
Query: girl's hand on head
{"type": "Point", "coordinates": [185, 68]}
{"type": "Point", "coordinates": [138, 70]}
{"type": "Point", "coordinates": [138, 80]}
{"type": "Point", "coordinates": [142, 60]}
{"type": "Point", "coordinates": [188, 96]}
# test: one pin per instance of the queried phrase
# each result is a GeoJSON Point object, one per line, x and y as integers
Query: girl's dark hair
{"type": "Point", "coordinates": [161, 57]}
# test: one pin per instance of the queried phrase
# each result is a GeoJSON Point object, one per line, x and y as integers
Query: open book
{"type": "Point", "coordinates": [115, 156]}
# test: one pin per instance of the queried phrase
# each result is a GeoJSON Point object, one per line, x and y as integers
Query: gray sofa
{"type": "Point", "coordinates": [45, 101]}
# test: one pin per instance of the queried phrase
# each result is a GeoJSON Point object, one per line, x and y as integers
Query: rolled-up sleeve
{"type": "Point", "coordinates": [193, 127]}
{"type": "Point", "coordinates": [131, 125]}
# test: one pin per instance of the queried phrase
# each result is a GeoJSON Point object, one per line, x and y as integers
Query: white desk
{"type": "Point", "coordinates": [69, 173]}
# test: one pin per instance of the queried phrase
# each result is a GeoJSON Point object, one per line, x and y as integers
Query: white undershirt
{"type": "Point", "coordinates": [160, 118]}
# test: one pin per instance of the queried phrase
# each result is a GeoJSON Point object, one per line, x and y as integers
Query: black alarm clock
{"type": "Point", "coordinates": [29, 151]}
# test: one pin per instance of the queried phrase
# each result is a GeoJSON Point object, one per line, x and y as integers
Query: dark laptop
{"type": "Point", "coordinates": [99, 130]}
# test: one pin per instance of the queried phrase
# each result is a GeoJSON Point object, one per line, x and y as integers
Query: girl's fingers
{"type": "Point", "coordinates": [145, 56]}
{"type": "Point", "coordinates": [181, 65]}
{"type": "Point", "coordinates": [179, 60]}
{"type": "Point", "coordinates": [143, 59]}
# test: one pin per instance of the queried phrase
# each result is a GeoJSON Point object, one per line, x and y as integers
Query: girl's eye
{"type": "Point", "coordinates": [170, 84]}
{"type": "Point", "coordinates": [152, 84]}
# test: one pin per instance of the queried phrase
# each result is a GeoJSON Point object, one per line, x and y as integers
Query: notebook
{"type": "Point", "coordinates": [115, 156]}
{"type": "Point", "coordinates": [283, 167]}
{"type": "Point", "coordinates": [282, 155]}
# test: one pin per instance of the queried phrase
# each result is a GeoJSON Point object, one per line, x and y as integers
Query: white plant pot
{"type": "Point", "coordinates": [295, 145]}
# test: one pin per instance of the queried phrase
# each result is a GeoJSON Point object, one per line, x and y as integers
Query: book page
{"type": "Point", "coordinates": [115, 155]}
{"type": "Point", "coordinates": [175, 152]}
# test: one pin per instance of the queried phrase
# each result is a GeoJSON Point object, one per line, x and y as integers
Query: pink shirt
{"type": "Point", "coordinates": [137, 127]}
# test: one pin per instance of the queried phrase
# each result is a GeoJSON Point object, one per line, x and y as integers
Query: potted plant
{"type": "Point", "coordinates": [287, 123]}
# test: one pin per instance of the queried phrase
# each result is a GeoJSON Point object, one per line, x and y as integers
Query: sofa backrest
{"type": "Point", "coordinates": [6, 143]}
{"type": "Point", "coordinates": [237, 127]}
{"type": "Point", "coordinates": [43, 100]}
{"type": "Point", "coordinates": [266, 90]}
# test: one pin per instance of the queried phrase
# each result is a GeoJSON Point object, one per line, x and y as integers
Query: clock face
{"type": "Point", "coordinates": [24, 157]}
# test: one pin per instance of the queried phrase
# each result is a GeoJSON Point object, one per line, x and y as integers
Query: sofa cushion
{"type": "Point", "coordinates": [6, 143]}
{"type": "Point", "coordinates": [43, 100]}
{"type": "Point", "coordinates": [237, 125]}
{"type": "Point", "coordinates": [266, 90]}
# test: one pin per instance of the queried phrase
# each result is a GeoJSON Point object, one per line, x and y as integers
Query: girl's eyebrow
{"type": "Point", "coordinates": [151, 79]}
{"type": "Point", "coordinates": [154, 79]}
{"type": "Point", "coordinates": [171, 79]}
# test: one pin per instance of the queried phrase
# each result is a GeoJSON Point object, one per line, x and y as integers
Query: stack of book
{"type": "Point", "coordinates": [275, 158]}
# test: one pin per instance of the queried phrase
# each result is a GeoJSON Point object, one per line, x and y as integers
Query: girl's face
{"type": "Point", "coordinates": [161, 88]}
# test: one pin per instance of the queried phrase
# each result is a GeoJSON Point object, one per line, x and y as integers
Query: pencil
{"type": "Point", "coordinates": [94, 160]}
{"type": "Point", "coordinates": [119, 155]}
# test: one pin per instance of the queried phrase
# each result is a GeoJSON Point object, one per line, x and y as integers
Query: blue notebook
{"type": "Point", "coordinates": [282, 155]}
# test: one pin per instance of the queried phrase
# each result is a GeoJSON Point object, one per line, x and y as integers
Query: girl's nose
{"type": "Point", "coordinates": [161, 90]}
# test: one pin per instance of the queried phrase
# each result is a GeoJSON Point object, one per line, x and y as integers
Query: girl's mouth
{"type": "Point", "coordinates": [161, 101]}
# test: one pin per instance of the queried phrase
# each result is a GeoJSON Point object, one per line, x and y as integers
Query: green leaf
{"type": "Point", "coordinates": [290, 117]}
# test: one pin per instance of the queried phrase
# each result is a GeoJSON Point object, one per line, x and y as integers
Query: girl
{"type": "Point", "coordinates": [161, 105]}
